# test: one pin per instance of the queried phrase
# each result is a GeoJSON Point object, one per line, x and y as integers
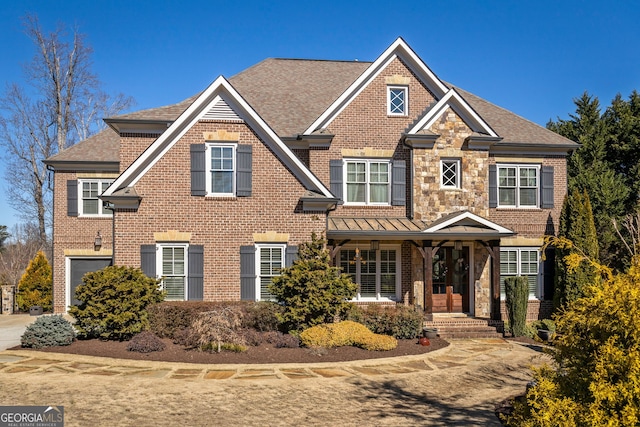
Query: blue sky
{"type": "Point", "coordinates": [531, 57]}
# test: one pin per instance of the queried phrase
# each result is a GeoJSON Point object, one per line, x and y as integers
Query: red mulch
{"type": "Point", "coordinates": [265, 353]}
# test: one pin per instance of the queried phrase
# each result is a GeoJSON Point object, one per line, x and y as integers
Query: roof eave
{"type": "Point", "coordinates": [416, 235]}
{"type": "Point", "coordinates": [138, 125]}
{"type": "Point", "coordinates": [82, 165]}
{"type": "Point", "coordinates": [419, 140]}
{"type": "Point", "coordinates": [520, 148]}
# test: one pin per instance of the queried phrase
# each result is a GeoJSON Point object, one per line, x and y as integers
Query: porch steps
{"type": "Point", "coordinates": [465, 327]}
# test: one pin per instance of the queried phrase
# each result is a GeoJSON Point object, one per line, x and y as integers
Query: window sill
{"type": "Point", "coordinates": [523, 208]}
{"type": "Point", "coordinates": [95, 216]}
{"type": "Point", "coordinates": [369, 206]}
{"type": "Point", "coordinates": [218, 198]}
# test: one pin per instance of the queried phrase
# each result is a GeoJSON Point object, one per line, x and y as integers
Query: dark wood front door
{"type": "Point", "coordinates": [451, 280]}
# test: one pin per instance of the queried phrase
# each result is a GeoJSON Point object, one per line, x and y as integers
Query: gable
{"type": "Point", "coordinates": [219, 102]}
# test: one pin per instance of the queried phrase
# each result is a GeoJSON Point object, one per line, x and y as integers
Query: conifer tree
{"type": "Point", "coordinates": [576, 225]}
{"type": "Point", "coordinates": [36, 285]}
{"type": "Point", "coordinates": [312, 291]}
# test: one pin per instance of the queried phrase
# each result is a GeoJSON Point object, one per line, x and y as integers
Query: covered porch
{"type": "Point", "coordinates": [449, 266]}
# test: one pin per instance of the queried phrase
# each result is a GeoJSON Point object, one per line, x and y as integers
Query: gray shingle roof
{"type": "Point", "coordinates": [291, 93]}
{"type": "Point", "coordinates": [102, 147]}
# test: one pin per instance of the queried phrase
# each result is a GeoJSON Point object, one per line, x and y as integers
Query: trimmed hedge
{"type": "Point", "coordinates": [398, 321]}
{"type": "Point", "coordinates": [48, 331]}
{"type": "Point", "coordinates": [346, 333]}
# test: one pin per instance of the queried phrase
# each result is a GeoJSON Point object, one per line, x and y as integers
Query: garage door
{"type": "Point", "coordinates": [80, 267]}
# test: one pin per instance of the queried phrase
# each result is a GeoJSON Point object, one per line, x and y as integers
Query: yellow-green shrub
{"type": "Point", "coordinates": [595, 379]}
{"type": "Point", "coordinates": [346, 333]}
{"type": "Point", "coordinates": [35, 286]}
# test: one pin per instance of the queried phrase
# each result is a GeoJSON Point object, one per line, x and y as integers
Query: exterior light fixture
{"type": "Point", "coordinates": [97, 243]}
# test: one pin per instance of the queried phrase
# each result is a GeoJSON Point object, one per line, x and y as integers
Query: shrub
{"type": "Point", "coordinates": [214, 328]}
{"type": "Point", "coordinates": [168, 319]}
{"type": "Point", "coordinates": [277, 339]}
{"type": "Point", "coordinates": [35, 285]}
{"type": "Point", "coordinates": [517, 298]}
{"type": "Point", "coordinates": [114, 302]}
{"type": "Point", "coordinates": [346, 333]}
{"type": "Point", "coordinates": [262, 316]}
{"type": "Point", "coordinates": [48, 331]}
{"type": "Point", "coordinates": [398, 321]}
{"type": "Point", "coordinates": [311, 291]}
{"type": "Point", "coordinates": [145, 342]}
{"type": "Point", "coordinates": [595, 378]}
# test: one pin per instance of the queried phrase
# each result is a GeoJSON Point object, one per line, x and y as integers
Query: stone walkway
{"type": "Point", "coordinates": [460, 353]}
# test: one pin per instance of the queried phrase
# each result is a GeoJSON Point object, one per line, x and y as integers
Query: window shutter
{"type": "Point", "coordinates": [493, 186]}
{"type": "Point", "coordinates": [398, 183]}
{"type": "Point", "coordinates": [148, 260]}
{"type": "Point", "coordinates": [335, 178]}
{"type": "Point", "coordinates": [547, 187]}
{"type": "Point", "coordinates": [195, 280]}
{"type": "Point", "coordinates": [248, 273]}
{"type": "Point", "coordinates": [291, 255]}
{"type": "Point", "coordinates": [243, 176]}
{"type": "Point", "coordinates": [198, 170]}
{"type": "Point", "coordinates": [72, 197]}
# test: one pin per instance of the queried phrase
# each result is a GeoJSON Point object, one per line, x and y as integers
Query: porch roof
{"type": "Point", "coordinates": [458, 226]}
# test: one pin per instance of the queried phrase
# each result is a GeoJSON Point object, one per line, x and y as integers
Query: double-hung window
{"type": "Point", "coordinates": [397, 101]}
{"type": "Point", "coordinates": [518, 186]}
{"type": "Point", "coordinates": [450, 173]}
{"type": "Point", "coordinates": [377, 272]}
{"type": "Point", "coordinates": [89, 191]}
{"type": "Point", "coordinates": [221, 161]}
{"type": "Point", "coordinates": [172, 266]}
{"type": "Point", "coordinates": [367, 182]}
{"type": "Point", "coordinates": [521, 262]}
{"type": "Point", "coordinates": [270, 261]}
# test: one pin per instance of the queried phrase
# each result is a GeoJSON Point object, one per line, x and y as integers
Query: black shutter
{"type": "Point", "coordinates": [148, 260]}
{"type": "Point", "coordinates": [198, 170]}
{"type": "Point", "coordinates": [398, 183]}
{"type": "Point", "coordinates": [196, 273]}
{"type": "Point", "coordinates": [248, 273]}
{"type": "Point", "coordinates": [335, 178]}
{"type": "Point", "coordinates": [243, 175]}
{"type": "Point", "coordinates": [493, 186]}
{"type": "Point", "coordinates": [291, 255]}
{"type": "Point", "coordinates": [547, 187]}
{"type": "Point", "coordinates": [72, 197]}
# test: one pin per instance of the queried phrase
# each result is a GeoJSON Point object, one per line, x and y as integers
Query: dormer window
{"type": "Point", "coordinates": [397, 101]}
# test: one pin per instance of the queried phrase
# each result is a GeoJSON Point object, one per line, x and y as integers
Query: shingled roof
{"type": "Point", "coordinates": [103, 147]}
{"type": "Point", "coordinates": [289, 94]}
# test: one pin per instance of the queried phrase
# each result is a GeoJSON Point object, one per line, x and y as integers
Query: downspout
{"type": "Point", "coordinates": [53, 224]}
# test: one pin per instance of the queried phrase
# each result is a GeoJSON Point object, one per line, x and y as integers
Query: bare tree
{"type": "Point", "coordinates": [20, 248]}
{"type": "Point", "coordinates": [61, 105]}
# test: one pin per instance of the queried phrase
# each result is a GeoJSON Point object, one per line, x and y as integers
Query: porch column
{"type": "Point", "coordinates": [427, 256]}
{"type": "Point", "coordinates": [494, 249]}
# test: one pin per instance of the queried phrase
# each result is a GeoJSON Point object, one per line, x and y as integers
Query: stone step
{"type": "Point", "coordinates": [465, 327]}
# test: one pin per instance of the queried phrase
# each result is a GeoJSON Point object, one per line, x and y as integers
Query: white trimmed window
{"type": "Point", "coordinates": [397, 101]}
{"type": "Point", "coordinates": [518, 186]}
{"type": "Point", "coordinates": [525, 262]}
{"type": "Point", "coordinates": [89, 191]}
{"type": "Point", "coordinates": [450, 173]}
{"type": "Point", "coordinates": [377, 272]}
{"type": "Point", "coordinates": [172, 268]}
{"type": "Point", "coordinates": [221, 164]}
{"type": "Point", "coordinates": [367, 182]}
{"type": "Point", "coordinates": [270, 260]}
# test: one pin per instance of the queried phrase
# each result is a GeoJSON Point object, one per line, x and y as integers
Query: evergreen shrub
{"type": "Point", "coordinates": [311, 291]}
{"type": "Point", "coordinates": [36, 285]}
{"type": "Point", "coordinates": [114, 302]}
{"type": "Point", "coordinates": [517, 298]}
{"type": "Point", "coordinates": [400, 322]}
{"type": "Point", "coordinates": [48, 331]}
{"type": "Point", "coordinates": [346, 333]}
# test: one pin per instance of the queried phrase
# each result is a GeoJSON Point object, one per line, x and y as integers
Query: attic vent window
{"type": "Point", "coordinates": [397, 97]}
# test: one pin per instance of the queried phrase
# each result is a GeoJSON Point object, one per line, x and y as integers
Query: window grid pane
{"type": "Point", "coordinates": [173, 272]}
{"type": "Point", "coordinates": [270, 267]}
{"type": "Point", "coordinates": [388, 273]}
{"type": "Point", "coordinates": [450, 174]}
{"type": "Point", "coordinates": [518, 186]}
{"type": "Point", "coordinates": [222, 172]}
{"type": "Point", "coordinates": [397, 101]}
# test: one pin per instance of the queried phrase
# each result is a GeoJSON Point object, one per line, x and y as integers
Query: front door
{"type": "Point", "coordinates": [451, 280]}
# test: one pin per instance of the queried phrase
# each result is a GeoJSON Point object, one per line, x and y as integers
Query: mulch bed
{"type": "Point", "coordinates": [261, 354]}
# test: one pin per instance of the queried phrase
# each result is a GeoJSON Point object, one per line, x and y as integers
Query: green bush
{"type": "Point", "coordinates": [346, 333]}
{"type": "Point", "coordinates": [36, 284]}
{"type": "Point", "coordinates": [114, 302]}
{"type": "Point", "coordinates": [401, 322]}
{"type": "Point", "coordinates": [48, 331]}
{"type": "Point", "coordinates": [517, 298]}
{"type": "Point", "coordinates": [145, 342]}
{"type": "Point", "coordinates": [311, 291]}
{"type": "Point", "coordinates": [262, 316]}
